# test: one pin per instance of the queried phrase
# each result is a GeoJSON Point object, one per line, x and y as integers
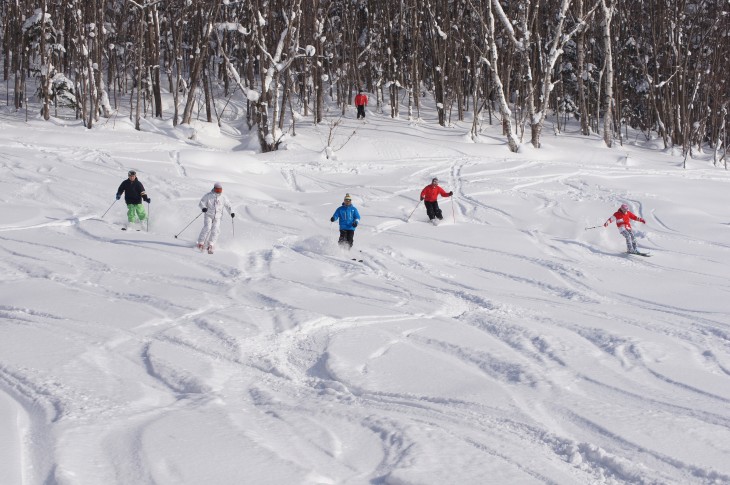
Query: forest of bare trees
{"type": "Point", "coordinates": [659, 67]}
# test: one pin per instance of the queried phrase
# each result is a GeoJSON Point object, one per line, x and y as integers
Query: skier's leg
{"type": "Point", "coordinates": [130, 212]}
{"type": "Point", "coordinates": [214, 232]}
{"type": "Point", "coordinates": [626, 235]}
{"type": "Point", "coordinates": [343, 238]}
{"type": "Point", "coordinates": [140, 212]}
{"type": "Point", "coordinates": [350, 237]}
{"type": "Point", "coordinates": [429, 209]}
{"type": "Point", "coordinates": [633, 239]}
{"type": "Point", "coordinates": [437, 210]}
{"type": "Point", "coordinates": [207, 220]}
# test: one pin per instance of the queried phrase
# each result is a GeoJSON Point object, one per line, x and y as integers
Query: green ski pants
{"type": "Point", "coordinates": [134, 211]}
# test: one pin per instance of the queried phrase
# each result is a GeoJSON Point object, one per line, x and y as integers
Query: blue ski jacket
{"type": "Point", "coordinates": [347, 215]}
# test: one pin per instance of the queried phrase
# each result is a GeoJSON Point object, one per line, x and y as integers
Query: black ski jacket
{"type": "Point", "coordinates": [133, 191]}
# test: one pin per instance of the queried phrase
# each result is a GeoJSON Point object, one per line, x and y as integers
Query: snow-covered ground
{"type": "Point", "coordinates": [509, 345]}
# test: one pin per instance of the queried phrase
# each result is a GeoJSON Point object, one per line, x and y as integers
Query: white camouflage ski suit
{"type": "Point", "coordinates": [215, 203]}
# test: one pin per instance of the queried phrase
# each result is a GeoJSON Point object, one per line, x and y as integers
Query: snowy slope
{"type": "Point", "coordinates": [507, 345]}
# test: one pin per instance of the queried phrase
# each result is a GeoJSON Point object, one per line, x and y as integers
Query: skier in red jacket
{"type": "Point", "coordinates": [361, 100]}
{"type": "Point", "coordinates": [429, 196]}
{"type": "Point", "coordinates": [623, 217]}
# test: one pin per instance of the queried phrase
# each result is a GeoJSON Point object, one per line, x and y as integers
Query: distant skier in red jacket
{"type": "Point", "coordinates": [623, 217]}
{"type": "Point", "coordinates": [429, 196]}
{"type": "Point", "coordinates": [361, 100]}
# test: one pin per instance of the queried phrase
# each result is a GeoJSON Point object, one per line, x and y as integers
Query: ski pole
{"type": "Point", "coordinates": [115, 201]}
{"type": "Point", "coordinates": [148, 217]}
{"type": "Point", "coordinates": [453, 213]}
{"type": "Point", "coordinates": [414, 210]}
{"type": "Point", "coordinates": [593, 227]}
{"type": "Point", "coordinates": [233, 227]}
{"type": "Point", "coordinates": [196, 218]}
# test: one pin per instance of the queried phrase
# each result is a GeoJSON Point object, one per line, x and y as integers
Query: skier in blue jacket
{"type": "Point", "coordinates": [349, 217]}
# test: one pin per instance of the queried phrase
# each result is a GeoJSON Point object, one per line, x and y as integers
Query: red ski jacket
{"type": "Point", "coordinates": [361, 100]}
{"type": "Point", "coordinates": [623, 219]}
{"type": "Point", "coordinates": [431, 192]}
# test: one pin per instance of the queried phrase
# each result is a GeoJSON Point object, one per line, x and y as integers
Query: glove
{"type": "Point", "coordinates": [205, 209]}
{"type": "Point", "coordinates": [118, 196]}
{"type": "Point", "coordinates": [422, 197]}
{"type": "Point", "coordinates": [354, 223]}
{"type": "Point", "coordinates": [148, 200]}
{"type": "Point", "coordinates": [332, 219]}
{"type": "Point", "coordinates": [451, 193]}
{"type": "Point", "coordinates": [641, 219]}
{"type": "Point", "coordinates": [605, 224]}
{"type": "Point", "coordinates": [233, 215]}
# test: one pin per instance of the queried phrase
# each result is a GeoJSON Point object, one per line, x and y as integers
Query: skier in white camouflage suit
{"type": "Point", "coordinates": [212, 204]}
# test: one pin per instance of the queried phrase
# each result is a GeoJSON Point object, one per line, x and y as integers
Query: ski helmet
{"type": "Point", "coordinates": [624, 207]}
{"type": "Point", "coordinates": [218, 188]}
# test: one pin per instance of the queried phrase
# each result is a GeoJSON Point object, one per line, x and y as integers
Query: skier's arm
{"type": "Point", "coordinates": [423, 193]}
{"type": "Point", "coordinates": [443, 192]}
{"type": "Point", "coordinates": [609, 221]}
{"type": "Point", "coordinates": [142, 192]}
{"type": "Point", "coordinates": [120, 190]}
{"type": "Point", "coordinates": [336, 215]}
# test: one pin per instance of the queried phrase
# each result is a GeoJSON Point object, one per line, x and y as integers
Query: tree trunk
{"type": "Point", "coordinates": [45, 66]}
{"type": "Point", "coordinates": [153, 48]}
{"type": "Point", "coordinates": [203, 31]}
{"type": "Point", "coordinates": [208, 95]}
{"type": "Point", "coordinates": [140, 70]}
{"type": "Point", "coordinates": [608, 103]}
{"type": "Point", "coordinates": [505, 112]}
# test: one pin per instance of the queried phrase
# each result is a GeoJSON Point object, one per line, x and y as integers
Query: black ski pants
{"type": "Point", "coordinates": [361, 111]}
{"type": "Point", "coordinates": [432, 209]}
{"type": "Point", "coordinates": [347, 237]}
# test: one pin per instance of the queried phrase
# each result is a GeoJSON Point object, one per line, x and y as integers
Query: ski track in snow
{"type": "Point", "coordinates": [283, 350]}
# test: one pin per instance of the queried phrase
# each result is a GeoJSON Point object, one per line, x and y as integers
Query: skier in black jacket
{"type": "Point", "coordinates": [134, 194]}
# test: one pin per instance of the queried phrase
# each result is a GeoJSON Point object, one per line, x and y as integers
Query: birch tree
{"type": "Point", "coordinates": [608, 105]}
{"type": "Point", "coordinates": [504, 109]}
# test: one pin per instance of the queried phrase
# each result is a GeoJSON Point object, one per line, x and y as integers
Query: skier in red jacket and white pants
{"type": "Point", "coordinates": [623, 217]}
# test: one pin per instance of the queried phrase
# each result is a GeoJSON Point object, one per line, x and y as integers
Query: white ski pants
{"type": "Point", "coordinates": [630, 239]}
{"type": "Point", "coordinates": [211, 230]}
